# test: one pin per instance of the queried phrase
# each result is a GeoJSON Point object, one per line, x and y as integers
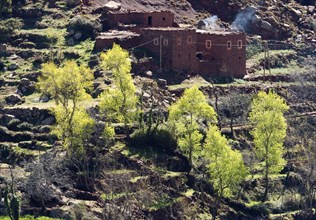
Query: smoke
{"type": "Point", "coordinates": [244, 19]}
{"type": "Point", "coordinates": [210, 23]}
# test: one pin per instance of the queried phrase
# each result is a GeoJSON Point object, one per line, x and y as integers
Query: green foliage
{"type": "Point", "coordinates": [76, 131]}
{"type": "Point", "coordinates": [84, 25]}
{"type": "Point", "coordinates": [65, 83]}
{"type": "Point", "coordinates": [226, 166]}
{"type": "Point", "coordinates": [185, 117]}
{"type": "Point", "coordinates": [269, 128]}
{"type": "Point", "coordinates": [119, 103]}
{"type": "Point", "coordinates": [269, 132]}
{"type": "Point", "coordinates": [8, 27]}
{"type": "Point", "coordinates": [253, 49]}
{"type": "Point", "coordinates": [69, 82]}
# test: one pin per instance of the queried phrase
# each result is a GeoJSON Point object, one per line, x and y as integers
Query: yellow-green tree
{"type": "Point", "coordinates": [225, 166]}
{"type": "Point", "coordinates": [67, 85]}
{"type": "Point", "coordinates": [118, 104]}
{"type": "Point", "coordinates": [269, 132]}
{"type": "Point", "coordinates": [185, 117]}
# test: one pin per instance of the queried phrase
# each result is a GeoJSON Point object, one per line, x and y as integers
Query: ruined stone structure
{"type": "Point", "coordinates": [205, 52]}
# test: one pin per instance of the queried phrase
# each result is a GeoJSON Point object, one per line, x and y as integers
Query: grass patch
{"type": "Point", "coordinates": [273, 54]}
{"type": "Point", "coordinates": [161, 202]}
{"type": "Point", "coordinates": [188, 193]}
{"type": "Point", "coordinates": [84, 49]}
{"type": "Point", "coordinates": [113, 196]}
{"type": "Point", "coordinates": [135, 179]}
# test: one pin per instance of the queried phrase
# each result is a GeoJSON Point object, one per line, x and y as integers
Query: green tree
{"type": "Point", "coordinates": [68, 84]}
{"type": "Point", "coordinates": [118, 104]}
{"type": "Point", "coordinates": [185, 117]}
{"type": "Point", "coordinates": [269, 132]}
{"type": "Point", "coordinates": [226, 166]}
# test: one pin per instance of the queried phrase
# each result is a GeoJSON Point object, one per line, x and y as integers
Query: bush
{"type": "Point", "coordinates": [7, 28]}
{"type": "Point", "coordinates": [253, 49]}
{"type": "Point", "coordinates": [162, 139]}
{"type": "Point", "coordinates": [86, 26]}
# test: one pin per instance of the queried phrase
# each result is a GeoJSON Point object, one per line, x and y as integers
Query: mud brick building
{"type": "Point", "coordinates": [185, 49]}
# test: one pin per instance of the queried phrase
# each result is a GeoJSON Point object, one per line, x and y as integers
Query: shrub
{"type": "Point", "coordinates": [86, 26]}
{"type": "Point", "coordinates": [253, 49]}
{"type": "Point", "coordinates": [25, 126]}
{"type": "Point", "coordinates": [7, 28]}
{"type": "Point", "coordinates": [162, 139]}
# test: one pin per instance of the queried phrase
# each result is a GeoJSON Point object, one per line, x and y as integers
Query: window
{"type": "Point", "coordinates": [229, 45]}
{"type": "Point", "coordinates": [165, 42]}
{"type": "Point", "coordinates": [189, 40]}
{"type": "Point", "coordinates": [239, 44]}
{"type": "Point", "coordinates": [150, 21]}
{"type": "Point", "coordinates": [156, 41]}
{"type": "Point", "coordinates": [208, 44]}
{"type": "Point", "coordinates": [179, 41]}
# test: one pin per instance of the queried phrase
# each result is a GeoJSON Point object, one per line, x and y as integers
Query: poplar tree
{"type": "Point", "coordinates": [118, 104]}
{"type": "Point", "coordinates": [185, 117]}
{"type": "Point", "coordinates": [269, 132]}
{"type": "Point", "coordinates": [226, 166]}
{"type": "Point", "coordinates": [67, 85]}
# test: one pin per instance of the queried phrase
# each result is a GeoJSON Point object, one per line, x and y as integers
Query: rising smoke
{"type": "Point", "coordinates": [244, 19]}
{"type": "Point", "coordinates": [210, 23]}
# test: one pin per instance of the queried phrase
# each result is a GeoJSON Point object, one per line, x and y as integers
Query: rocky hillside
{"type": "Point", "coordinates": [139, 180]}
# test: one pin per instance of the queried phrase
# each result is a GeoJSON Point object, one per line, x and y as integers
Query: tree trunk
{"type": "Point", "coordinates": [265, 195]}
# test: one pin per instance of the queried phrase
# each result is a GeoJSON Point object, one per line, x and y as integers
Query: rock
{"type": "Point", "coordinates": [13, 66]}
{"type": "Point", "coordinates": [5, 134]}
{"type": "Point", "coordinates": [5, 119]}
{"type": "Point", "coordinates": [71, 32]}
{"type": "Point", "coordinates": [3, 48]}
{"type": "Point", "coordinates": [266, 25]}
{"type": "Point", "coordinates": [44, 129]}
{"type": "Point", "coordinates": [13, 57]}
{"type": "Point", "coordinates": [1, 66]}
{"type": "Point", "coordinates": [26, 86]}
{"type": "Point", "coordinates": [98, 74]}
{"type": "Point", "coordinates": [162, 83]}
{"type": "Point", "coordinates": [149, 74]}
{"type": "Point", "coordinates": [48, 121]}
{"type": "Point", "coordinates": [70, 42]}
{"type": "Point", "coordinates": [107, 81]}
{"type": "Point", "coordinates": [27, 45]}
{"type": "Point", "coordinates": [311, 9]}
{"type": "Point", "coordinates": [255, 19]}
{"type": "Point", "coordinates": [2, 81]}
{"type": "Point", "coordinates": [78, 35]}
{"type": "Point", "coordinates": [96, 84]}
{"type": "Point", "coordinates": [25, 82]}
{"type": "Point", "coordinates": [44, 98]}
{"type": "Point", "coordinates": [112, 6]}
{"type": "Point", "coordinates": [97, 92]}
{"type": "Point", "coordinates": [13, 99]}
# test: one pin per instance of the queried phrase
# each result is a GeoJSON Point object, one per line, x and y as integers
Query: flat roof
{"type": "Point", "coordinates": [223, 32]}
{"type": "Point", "coordinates": [117, 34]}
{"type": "Point", "coordinates": [126, 11]}
{"type": "Point", "coordinates": [170, 28]}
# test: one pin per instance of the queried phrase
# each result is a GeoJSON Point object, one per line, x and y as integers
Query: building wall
{"type": "Point", "coordinates": [126, 43]}
{"type": "Point", "coordinates": [141, 19]}
{"type": "Point", "coordinates": [219, 59]}
{"type": "Point", "coordinates": [178, 48]}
